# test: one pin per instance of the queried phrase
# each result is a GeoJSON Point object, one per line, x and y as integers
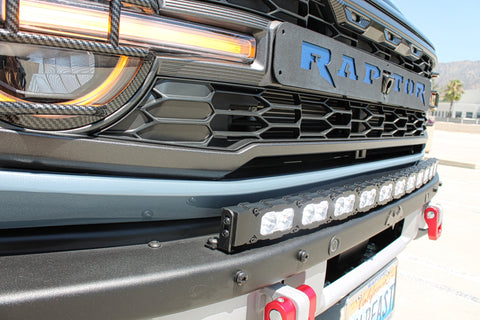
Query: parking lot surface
{"type": "Point", "coordinates": [441, 279]}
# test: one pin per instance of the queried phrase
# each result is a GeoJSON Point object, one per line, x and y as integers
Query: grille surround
{"type": "Point", "coordinates": [219, 116]}
{"type": "Point", "coordinates": [318, 16]}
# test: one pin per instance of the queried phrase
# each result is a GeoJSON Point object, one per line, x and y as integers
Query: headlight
{"type": "Point", "coordinates": [51, 75]}
{"type": "Point", "coordinates": [32, 78]}
{"type": "Point", "coordinates": [91, 21]}
{"type": "Point", "coordinates": [73, 64]}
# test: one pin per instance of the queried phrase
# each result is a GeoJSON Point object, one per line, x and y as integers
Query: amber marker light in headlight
{"type": "Point", "coordinates": [102, 90]}
{"type": "Point", "coordinates": [91, 21]}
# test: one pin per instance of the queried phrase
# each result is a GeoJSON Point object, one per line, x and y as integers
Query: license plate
{"type": "Point", "coordinates": [309, 60]}
{"type": "Point", "coordinates": [375, 299]}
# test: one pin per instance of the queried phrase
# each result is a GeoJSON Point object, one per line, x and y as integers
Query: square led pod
{"type": "Point", "coordinates": [400, 187]}
{"type": "Point", "coordinates": [411, 180]}
{"type": "Point", "coordinates": [385, 194]}
{"type": "Point", "coordinates": [316, 211]}
{"type": "Point", "coordinates": [247, 223]}
{"type": "Point", "coordinates": [345, 203]}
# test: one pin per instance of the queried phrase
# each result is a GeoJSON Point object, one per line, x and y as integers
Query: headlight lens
{"type": "Point", "coordinates": [51, 75]}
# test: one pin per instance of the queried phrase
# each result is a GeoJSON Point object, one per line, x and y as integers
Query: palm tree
{"type": "Point", "coordinates": [453, 92]}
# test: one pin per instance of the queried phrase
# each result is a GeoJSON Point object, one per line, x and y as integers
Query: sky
{"type": "Point", "coordinates": [453, 27]}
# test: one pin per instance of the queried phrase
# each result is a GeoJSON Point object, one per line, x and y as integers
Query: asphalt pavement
{"type": "Point", "coordinates": [441, 279]}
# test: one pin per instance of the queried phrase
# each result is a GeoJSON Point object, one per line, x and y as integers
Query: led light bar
{"type": "Point", "coordinates": [87, 20]}
{"type": "Point", "coordinates": [247, 223]}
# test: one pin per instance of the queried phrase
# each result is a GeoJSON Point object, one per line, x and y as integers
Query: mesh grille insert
{"type": "Point", "coordinates": [217, 116]}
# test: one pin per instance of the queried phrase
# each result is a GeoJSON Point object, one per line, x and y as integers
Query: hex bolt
{"type": "Point", "coordinates": [240, 278]}
{"type": "Point", "coordinates": [256, 212]}
{"type": "Point", "coordinates": [302, 256]}
{"type": "Point", "coordinates": [154, 244]}
{"type": "Point", "coordinates": [213, 241]}
{"type": "Point", "coordinates": [253, 239]}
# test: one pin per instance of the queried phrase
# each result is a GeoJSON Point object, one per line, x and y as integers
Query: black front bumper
{"type": "Point", "coordinates": [143, 282]}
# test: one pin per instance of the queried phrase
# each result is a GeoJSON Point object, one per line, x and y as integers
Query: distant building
{"type": "Point", "coordinates": [467, 109]}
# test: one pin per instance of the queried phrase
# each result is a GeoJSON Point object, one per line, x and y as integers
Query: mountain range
{"type": "Point", "coordinates": [468, 72]}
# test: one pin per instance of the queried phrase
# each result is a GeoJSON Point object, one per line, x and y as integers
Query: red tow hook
{"type": "Point", "coordinates": [290, 303]}
{"type": "Point", "coordinates": [312, 296]}
{"type": "Point", "coordinates": [434, 218]}
{"type": "Point", "coordinates": [281, 308]}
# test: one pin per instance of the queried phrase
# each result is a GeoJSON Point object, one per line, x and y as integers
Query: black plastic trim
{"type": "Point", "coordinates": [76, 237]}
{"type": "Point", "coordinates": [142, 282]}
{"type": "Point", "coordinates": [73, 153]}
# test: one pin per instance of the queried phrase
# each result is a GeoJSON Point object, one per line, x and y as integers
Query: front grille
{"type": "Point", "coordinates": [318, 16]}
{"type": "Point", "coordinates": [218, 116]}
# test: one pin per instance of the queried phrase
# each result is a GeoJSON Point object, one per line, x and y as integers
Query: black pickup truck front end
{"type": "Point", "coordinates": [185, 159]}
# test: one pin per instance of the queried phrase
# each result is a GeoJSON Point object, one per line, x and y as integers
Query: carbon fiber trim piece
{"type": "Point", "coordinates": [52, 41]}
{"type": "Point", "coordinates": [12, 15]}
{"type": "Point", "coordinates": [24, 108]}
{"type": "Point", "coordinates": [115, 9]}
{"type": "Point", "coordinates": [86, 118]}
